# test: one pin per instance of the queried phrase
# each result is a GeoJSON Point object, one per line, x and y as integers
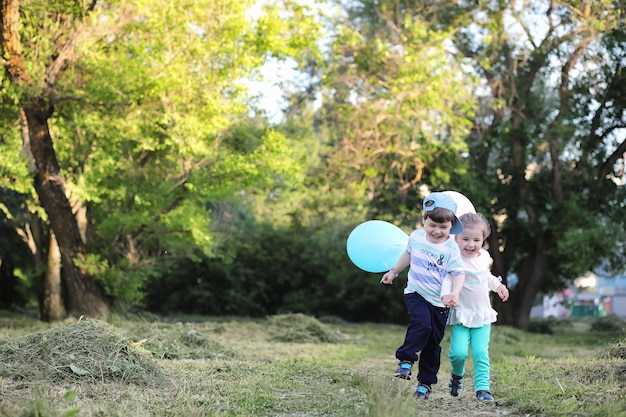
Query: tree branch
{"type": "Point", "coordinates": [66, 53]}
{"type": "Point", "coordinates": [564, 106]}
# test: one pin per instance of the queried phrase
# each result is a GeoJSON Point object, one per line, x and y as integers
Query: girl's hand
{"type": "Point", "coordinates": [503, 292]}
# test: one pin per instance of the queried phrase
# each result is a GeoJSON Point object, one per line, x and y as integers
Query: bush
{"type": "Point", "coordinates": [278, 271]}
{"type": "Point", "coordinates": [610, 323]}
{"type": "Point", "coordinates": [540, 326]}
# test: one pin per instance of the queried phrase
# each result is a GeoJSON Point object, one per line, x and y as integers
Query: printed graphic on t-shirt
{"type": "Point", "coordinates": [430, 263]}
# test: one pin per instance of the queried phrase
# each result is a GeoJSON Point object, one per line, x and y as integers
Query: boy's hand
{"type": "Point", "coordinates": [503, 292]}
{"type": "Point", "coordinates": [388, 278]}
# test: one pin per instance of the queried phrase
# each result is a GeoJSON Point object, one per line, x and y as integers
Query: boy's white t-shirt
{"type": "Point", "coordinates": [474, 309]}
{"type": "Point", "coordinates": [430, 264]}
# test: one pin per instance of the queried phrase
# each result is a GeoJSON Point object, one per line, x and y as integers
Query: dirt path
{"type": "Point", "coordinates": [441, 404]}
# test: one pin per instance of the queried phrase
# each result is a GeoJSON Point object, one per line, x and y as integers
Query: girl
{"type": "Point", "coordinates": [471, 318]}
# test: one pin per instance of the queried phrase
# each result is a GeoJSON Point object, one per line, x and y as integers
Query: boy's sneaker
{"type": "Point", "coordinates": [455, 385]}
{"type": "Point", "coordinates": [404, 370]}
{"type": "Point", "coordinates": [423, 391]}
{"type": "Point", "coordinates": [484, 396]}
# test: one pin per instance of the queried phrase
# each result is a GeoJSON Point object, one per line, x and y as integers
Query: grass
{"type": "Point", "coordinates": [292, 365]}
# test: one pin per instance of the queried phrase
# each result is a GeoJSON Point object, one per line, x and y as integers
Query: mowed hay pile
{"type": "Point", "coordinates": [617, 325]}
{"type": "Point", "coordinates": [179, 341]}
{"type": "Point", "coordinates": [617, 350]}
{"type": "Point", "coordinates": [299, 328]}
{"type": "Point", "coordinates": [88, 350]}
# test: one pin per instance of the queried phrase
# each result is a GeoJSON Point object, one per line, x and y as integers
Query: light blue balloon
{"type": "Point", "coordinates": [376, 245]}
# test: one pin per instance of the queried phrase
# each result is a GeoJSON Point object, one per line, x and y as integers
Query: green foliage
{"type": "Point", "coordinates": [396, 106]}
{"type": "Point", "coordinates": [276, 271]}
{"type": "Point", "coordinates": [151, 124]}
{"type": "Point", "coordinates": [202, 206]}
{"type": "Point", "coordinates": [543, 157]}
{"type": "Point", "coordinates": [18, 270]}
{"type": "Point", "coordinates": [14, 172]}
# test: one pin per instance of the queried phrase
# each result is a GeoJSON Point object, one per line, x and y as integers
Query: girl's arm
{"type": "Point", "coordinates": [496, 285]}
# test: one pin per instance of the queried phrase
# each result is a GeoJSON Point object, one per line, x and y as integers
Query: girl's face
{"type": "Point", "coordinates": [437, 232]}
{"type": "Point", "coordinates": [470, 241]}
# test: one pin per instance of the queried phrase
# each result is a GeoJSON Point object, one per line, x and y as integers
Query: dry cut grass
{"type": "Point", "coordinates": [292, 365]}
{"type": "Point", "coordinates": [87, 350]}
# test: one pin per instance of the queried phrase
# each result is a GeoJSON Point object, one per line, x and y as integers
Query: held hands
{"type": "Point", "coordinates": [449, 300]}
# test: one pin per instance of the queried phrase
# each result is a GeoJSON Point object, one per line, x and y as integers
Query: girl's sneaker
{"type": "Point", "coordinates": [455, 385]}
{"type": "Point", "coordinates": [423, 391]}
{"type": "Point", "coordinates": [484, 396]}
{"type": "Point", "coordinates": [404, 370]}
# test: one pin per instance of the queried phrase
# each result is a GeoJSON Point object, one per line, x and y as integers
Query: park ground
{"type": "Point", "coordinates": [293, 365]}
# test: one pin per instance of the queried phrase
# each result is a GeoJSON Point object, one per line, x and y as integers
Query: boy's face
{"type": "Point", "coordinates": [470, 241]}
{"type": "Point", "coordinates": [437, 232]}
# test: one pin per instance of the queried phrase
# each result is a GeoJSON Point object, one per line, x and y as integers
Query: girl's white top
{"type": "Point", "coordinates": [474, 308]}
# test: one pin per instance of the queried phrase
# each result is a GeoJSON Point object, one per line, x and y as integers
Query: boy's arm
{"type": "Point", "coordinates": [403, 262]}
{"type": "Point", "coordinates": [446, 286]}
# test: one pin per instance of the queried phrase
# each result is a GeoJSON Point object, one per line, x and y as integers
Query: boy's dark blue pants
{"type": "Point", "coordinates": [427, 325]}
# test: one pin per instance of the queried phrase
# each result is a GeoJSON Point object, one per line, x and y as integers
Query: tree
{"type": "Point", "coordinates": [35, 96]}
{"type": "Point", "coordinates": [542, 153]}
{"type": "Point", "coordinates": [546, 144]}
{"type": "Point", "coordinates": [396, 108]}
{"type": "Point", "coordinates": [144, 102]}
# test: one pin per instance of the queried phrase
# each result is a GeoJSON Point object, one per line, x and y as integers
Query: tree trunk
{"type": "Point", "coordinates": [516, 311]}
{"type": "Point", "coordinates": [85, 295]}
{"type": "Point", "coordinates": [51, 308]}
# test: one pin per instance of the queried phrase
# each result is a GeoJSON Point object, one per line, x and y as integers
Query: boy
{"type": "Point", "coordinates": [432, 255]}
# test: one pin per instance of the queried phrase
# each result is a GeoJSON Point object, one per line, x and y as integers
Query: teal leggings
{"type": "Point", "coordinates": [461, 339]}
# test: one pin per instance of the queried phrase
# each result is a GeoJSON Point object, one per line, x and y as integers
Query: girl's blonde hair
{"type": "Point", "coordinates": [473, 219]}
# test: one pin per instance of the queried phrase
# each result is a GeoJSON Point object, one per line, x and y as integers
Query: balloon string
{"type": "Point", "coordinates": [397, 245]}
